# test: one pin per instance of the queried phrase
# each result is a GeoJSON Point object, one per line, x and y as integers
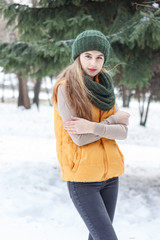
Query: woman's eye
{"type": "Point", "coordinates": [87, 56]}
{"type": "Point", "coordinates": [100, 58]}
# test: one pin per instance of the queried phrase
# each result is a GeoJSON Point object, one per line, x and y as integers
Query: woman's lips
{"type": "Point", "coordinates": [92, 69]}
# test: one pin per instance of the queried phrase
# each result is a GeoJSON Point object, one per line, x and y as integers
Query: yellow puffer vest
{"type": "Point", "coordinates": [94, 162]}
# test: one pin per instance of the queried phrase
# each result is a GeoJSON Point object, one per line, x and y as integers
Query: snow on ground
{"type": "Point", "coordinates": [35, 203]}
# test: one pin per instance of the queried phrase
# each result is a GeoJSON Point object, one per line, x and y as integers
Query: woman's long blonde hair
{"type": "Point", "coordinates": [76, 91]}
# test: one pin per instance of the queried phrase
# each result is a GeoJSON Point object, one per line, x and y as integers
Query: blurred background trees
{"type": "Point", "coordinates": [44, 31]}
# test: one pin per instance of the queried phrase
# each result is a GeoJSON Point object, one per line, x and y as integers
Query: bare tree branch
{"type": "Point", "coordinates": [143, 5]}
{"type": "Point", "coordinates": [152, 1]}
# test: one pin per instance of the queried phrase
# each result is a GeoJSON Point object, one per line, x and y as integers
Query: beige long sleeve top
{"type": "Point", "coordinates": [108, 128]}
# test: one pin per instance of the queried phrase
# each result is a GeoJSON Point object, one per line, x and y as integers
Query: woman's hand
{"type": "Point", "coordinates": [122, 117]}
{"type": "Point", "coordinates": [79, 126]}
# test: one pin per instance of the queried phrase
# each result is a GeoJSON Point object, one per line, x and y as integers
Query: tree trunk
{"type": "Point", "coordinates": [130, 95]}
{"type": "Point", "coordinates": [143, 111]}
{"type": "Point", "coordinates": [126, 96]}
{"type": "Point", "coordinates": [47, 91]}
{"type": "Point", "coordinates": [23, 99]}
{"type": "Point", "coordinates": [37, 88]}
{"type": "Point", "coordinates": [12, 85]}
{"type": "Point", "coordinates": [3, 87]}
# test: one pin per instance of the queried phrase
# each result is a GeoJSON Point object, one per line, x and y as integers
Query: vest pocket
{"type": "Point", "coordinates": [76, 160]}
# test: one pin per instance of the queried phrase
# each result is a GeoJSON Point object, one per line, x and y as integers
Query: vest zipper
{"type": "Point", "coordinates": [104, 157]}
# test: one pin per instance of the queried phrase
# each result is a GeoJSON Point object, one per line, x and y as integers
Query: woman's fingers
{"type": "Point", "coordinates": [69, 126]}
{"type": "Point", "coordinates": [122, 117]}
{"type": "Point", "coordinates": [68, 123]}
{"type": "Point", "coordinates": [70, 129]}
{"type": "Point", "coordinates": [79, 126]}
{"type": "Point", "coordinates": [73, 126]}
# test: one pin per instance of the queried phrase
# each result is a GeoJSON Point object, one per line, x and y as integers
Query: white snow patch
{"type": "Point", "coordinates": [35, 203]}
{"type": "Point", "coordinates": [155, 5]}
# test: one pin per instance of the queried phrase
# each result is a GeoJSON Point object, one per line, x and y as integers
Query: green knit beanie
{"type": "Point", "coordinates": [91, 40]}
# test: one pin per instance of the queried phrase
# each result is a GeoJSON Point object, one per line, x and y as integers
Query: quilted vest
{"type": "Point", "coordinates": [94, 162]}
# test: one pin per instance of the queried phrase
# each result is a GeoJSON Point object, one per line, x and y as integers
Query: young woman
{"type": "Point", "coordinates": [87, 122]}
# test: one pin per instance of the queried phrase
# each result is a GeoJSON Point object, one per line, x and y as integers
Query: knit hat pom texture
{"type": "Point", "coordinates": [91, 40]}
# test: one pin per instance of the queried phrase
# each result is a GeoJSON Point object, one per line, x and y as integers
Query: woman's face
{"type": "Point", "coordinates": [92, 62]}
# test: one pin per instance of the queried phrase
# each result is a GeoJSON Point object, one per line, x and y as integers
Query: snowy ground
{"type": "Point", "coordinates": [34, 202]}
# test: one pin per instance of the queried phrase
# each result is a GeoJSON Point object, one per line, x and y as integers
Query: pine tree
{"type": "Point", "coordinates": [48, 30]}
{"type": "Point", "coordinates": [137, 46]}
{"type": "Point", "coordinates": [46, 33]}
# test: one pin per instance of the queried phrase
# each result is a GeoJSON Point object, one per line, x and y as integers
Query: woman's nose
{"type": "Point", "coordinates": [93, 62]}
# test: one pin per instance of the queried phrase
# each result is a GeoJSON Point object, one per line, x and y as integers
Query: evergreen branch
{"type": "Point", "coordinates": [121, 31]}
{"type": "Point", "coordinates": [70, 41]}
{"type": "Point", "coordinates": [66, 41]}
{"type": "Point", "coordinates": [2, 3]}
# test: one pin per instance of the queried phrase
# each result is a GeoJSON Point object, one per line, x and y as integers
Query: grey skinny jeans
{"type": "Point", "coordinates": [96, 202]}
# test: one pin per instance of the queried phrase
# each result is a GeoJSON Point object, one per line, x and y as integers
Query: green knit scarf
{"type": "Point", "coordinates": [103, 92]}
